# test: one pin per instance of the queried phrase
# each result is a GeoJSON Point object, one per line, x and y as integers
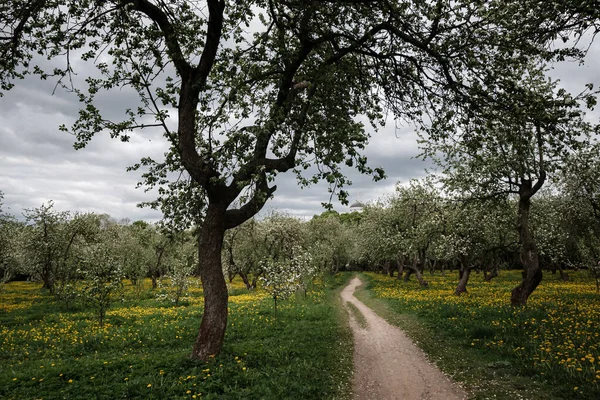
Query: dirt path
{"type": "Point", "coordinates": [388, 365]}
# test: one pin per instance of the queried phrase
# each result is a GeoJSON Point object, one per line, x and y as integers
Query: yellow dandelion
{"type": "Point", "coordinates": [149, 385]}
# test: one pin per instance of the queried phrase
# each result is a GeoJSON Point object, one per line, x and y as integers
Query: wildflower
{"type": "Point", "coordinates": [149, 385]}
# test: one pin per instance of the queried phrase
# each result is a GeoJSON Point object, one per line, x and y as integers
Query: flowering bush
{"type": "Point", "coordinates": [173, 286]}
{"type": "Point", "coordinates": [284, 277]}
{"type": "Point", "coordinates": [103, 280]}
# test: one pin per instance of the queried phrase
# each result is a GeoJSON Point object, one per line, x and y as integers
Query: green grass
{"type": "Point", "coordinates": [358, 316]}
{"type": "Point", "coordinates": [547, 350]}
{"type": "Point", "coordinates": [143, 351]}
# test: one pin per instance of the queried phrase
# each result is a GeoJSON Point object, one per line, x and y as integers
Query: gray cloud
{"type": "Point", "coordinates": [38, 162]}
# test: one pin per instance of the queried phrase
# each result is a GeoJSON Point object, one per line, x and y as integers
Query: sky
{"type": "Point", "coordinates": [38, 162]}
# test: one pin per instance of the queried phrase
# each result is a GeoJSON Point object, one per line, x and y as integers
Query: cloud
{"type": "Point", "coordinates": [38, 162]}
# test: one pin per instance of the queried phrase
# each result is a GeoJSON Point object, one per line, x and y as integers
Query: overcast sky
{"type": "Point", "coordinates": [38, 162]}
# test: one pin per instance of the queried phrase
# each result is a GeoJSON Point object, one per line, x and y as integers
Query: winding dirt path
{"type": "Point", "coordinates": [388, 365]}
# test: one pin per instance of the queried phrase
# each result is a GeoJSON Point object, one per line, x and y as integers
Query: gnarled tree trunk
{"type": "Point", "coordinates": [400, 267]}
{"type": "Point", "coordinates": [563, 275]}
{"type": "Point", "coordinates": [418, 273]}
{"type": "Point", "coordinates": [214, 320]}
{"type": "Point", "coordinates": [464, 274]}
{"type": "Point", "coordinates": [245, 280]}
{"type": "Point", "coordinates": [493, 273]}
{"type": "Point", "coordinates": [532, 273]}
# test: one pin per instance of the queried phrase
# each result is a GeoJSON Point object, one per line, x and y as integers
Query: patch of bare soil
{"type": "Point", "coordinates": [388, 365]}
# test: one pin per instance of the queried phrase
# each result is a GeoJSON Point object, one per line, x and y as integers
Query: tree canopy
{"type": "Point", "coordinates": [244, 91]}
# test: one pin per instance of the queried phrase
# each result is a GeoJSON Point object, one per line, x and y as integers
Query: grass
{"type": "Point", "coordinates": [358, 316]}
{"type": "Point", "coordinates": [50, 352]}
{"type": "Point", "coordinates": [547, 350]}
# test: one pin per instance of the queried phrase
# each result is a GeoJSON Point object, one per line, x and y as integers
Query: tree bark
{"type": "Point", "coordinates": [461, 288]}
{"type": "Point", "coordinates": [245, 280]}
{"type": "Point", "coordinates": [563, 275]}
{"type": "Point", "coordinates": [432, 266]}
{"type": "Point", "coordinates": [422, 281]}
{"type": "Point", "coordinates": [493, 273]}
{"type": "Point", "coordinates": [400, 267]}
{"type": "Point", "coordinates": [532, 273]}
{"type": "Point", "coordinates": [255, 280]}
{"type": "Point", "coordinates": [214, 320]}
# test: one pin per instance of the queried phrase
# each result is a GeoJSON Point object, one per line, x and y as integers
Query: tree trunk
{"type": "Point", "coordinates": [465, 272]}
{"type": "Point", "coordinates": [255, 279]}
{"type": "Point", "coordinates": [155, 274]}
{"type": "Point", "coordinates": [563, 275]}
{"type": "Point", "coordinates": [532, 273]}
{"type": "Point", "coordinates": [432, 266]}
{"type": "Point", "coordinates": [419, 275]}
{"type": "Point", "coordinates": [400, 267]}
{"type": "Point", "coordinates": [245, 279]}
{"type": "Point", "coordinates": [493, 273]}
{"type": "Point", "coordinates": [214, 320]}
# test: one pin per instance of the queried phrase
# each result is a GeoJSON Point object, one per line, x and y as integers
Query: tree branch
{"type": "Point", "coordinates": [262, 192]}
{"type": "Point", "coordinates": [160, 18]}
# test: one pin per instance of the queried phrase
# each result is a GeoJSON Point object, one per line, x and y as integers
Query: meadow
{"type": "Point", "coordinates": [548, 349]}
{"type": "Point", "coordinates": [50, 352]}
